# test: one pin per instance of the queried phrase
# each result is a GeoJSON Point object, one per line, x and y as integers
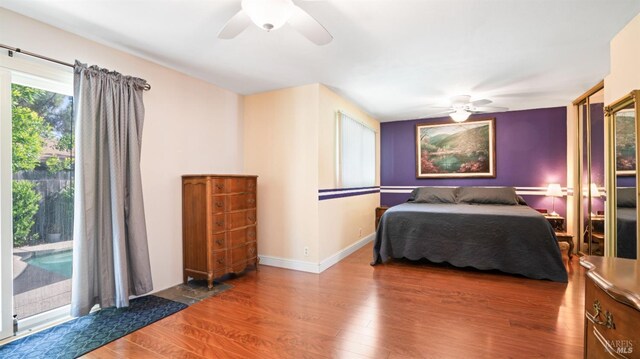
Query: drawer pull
{"type": "Point", "coordinates": [219, 204]}
{"type": "Point", "coordinates": [221, 261]}
{"type": "Point", "coordinates": [219, 185]}
{"type": "Point", "coordinates": [251, 200]}
{"type": "Point", "coordinates": [251, 234]}
{"type": "Point", "coordinates": [595, 317]}
{"type": "Point", "coordinates": [251, 218]}
{"type": "Point", "coordinates": [252, 250]}
{"type": "Point", "coordinates": [220, 223]}
{"type": "Point", "coordinates": [219, 242]}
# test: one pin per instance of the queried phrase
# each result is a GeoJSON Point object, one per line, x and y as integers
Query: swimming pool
{"type": "Point", "coordinates": [56, 262]}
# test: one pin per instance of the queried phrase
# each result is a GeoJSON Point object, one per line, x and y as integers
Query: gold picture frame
{"type": "Point", "coordinates": [456, 150]}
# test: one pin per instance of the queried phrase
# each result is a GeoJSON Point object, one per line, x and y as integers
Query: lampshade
{"type": "Point", "coordinates": [554, 190]}
{"type": "Point", "coordinates": [594, 191]}
{"type": "Point", "coordinates": [268, 15]}
{"type": "Point", "coordinates": [460, 115]}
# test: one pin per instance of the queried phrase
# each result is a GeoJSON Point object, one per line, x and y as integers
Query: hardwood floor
{"type": "Point", "coordinates": [353, 310]}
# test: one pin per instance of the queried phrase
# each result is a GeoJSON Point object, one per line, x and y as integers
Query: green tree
{"type": "Point", "coordinates": [66, 142]}
{"type": "Point", "coordinates": [56, 109]}
{"type": "Point", "coordinates": [26, 202]}
{"type": "Point", "coordinates": [54, 164]}
{"type": "Point", "coordinates": [29, 129]}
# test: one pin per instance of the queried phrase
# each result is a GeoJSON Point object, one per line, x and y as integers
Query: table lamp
{"type": "Point", "coordinates": [554, 190]}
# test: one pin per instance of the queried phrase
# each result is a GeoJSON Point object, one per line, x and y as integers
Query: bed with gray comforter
{"type": "Point", "coordinates": [509, 237]}
{"type": "Point", "coordinates": [626, 223]}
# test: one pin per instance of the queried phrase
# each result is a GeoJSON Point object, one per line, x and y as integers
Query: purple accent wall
{"type": "Point", "coordinates": [626, 181]}
{"type": "Point", "coordinates": [597, 152]}
{"type": "Point", "coordinates": [597, 144]}
{"type": "Point", "coordinates": [531, 151]}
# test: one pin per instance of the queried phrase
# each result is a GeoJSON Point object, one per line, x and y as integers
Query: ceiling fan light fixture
{"type": "Point", "coordinates": [460, 115]}
{"type": "Point", "coordinates": [268, 15]}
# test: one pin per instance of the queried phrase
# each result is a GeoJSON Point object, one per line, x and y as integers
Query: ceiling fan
{"type": "Point", "coordinates": [462, 107]}
{"type": "Point", "coordinates": [272, 14]}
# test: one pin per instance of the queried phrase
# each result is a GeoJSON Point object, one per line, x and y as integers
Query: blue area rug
{"type": "Point", "coordinates": [82, 335]}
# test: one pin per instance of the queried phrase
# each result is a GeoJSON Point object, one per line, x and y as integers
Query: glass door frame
{"type": "Point", "coordinates": [633, 98]}
{"type": "Point", "coordinates": [6, 230]}
{"type": "Point", "coordinates": [578, 185]}
{"type": "Point", "coordinates": [56, 78]}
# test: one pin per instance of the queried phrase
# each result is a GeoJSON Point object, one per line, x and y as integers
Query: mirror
{"type": "Point", "coordinates": [590, 191]}
{"type": "Point", "coordinates": [594, 181]}
{"type": "Point", "coordinates": [622, 153]}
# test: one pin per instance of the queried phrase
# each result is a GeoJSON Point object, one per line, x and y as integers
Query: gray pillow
{"type": "Point", "coordinates": [521, 201]}
{"type": "Point", "coordinates": [626, 197]}
{"type": "Point", "coordinates": [434, 195]}
{"type": "Point", "coordinates": [488, 195]}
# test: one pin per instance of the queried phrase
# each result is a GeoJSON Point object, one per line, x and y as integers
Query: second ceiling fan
{"type": "Point", "coordinates": [462, 107]}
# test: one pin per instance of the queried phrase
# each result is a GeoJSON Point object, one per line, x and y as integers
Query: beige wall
{"type": "Point", "coordinates": [190, 127]}
{"type": "Point", "coordinates": [281, 147]}
{"type": "Point", "coordinates": [343, 221]}
{"type": "Point", "coordinates": [330, 103]}
{"type": "Point", "coordinates": [290, 143]}
{"type": "Point", "coordinates": [625, 63]}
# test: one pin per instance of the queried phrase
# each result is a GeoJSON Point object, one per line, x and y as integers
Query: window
{"type": "Point", "coordinates": [357, 153]}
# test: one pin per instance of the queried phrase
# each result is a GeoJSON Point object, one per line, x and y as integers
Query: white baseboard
{"type": "Point", "coordinates": [312, 267]}
{"type": "Point", "coordinates": [286, 263]}
{"type": "Point", "coordinates": [345, 252]}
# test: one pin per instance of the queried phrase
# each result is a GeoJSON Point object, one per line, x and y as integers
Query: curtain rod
{"type": "Point", "coordinates": [28, 53]}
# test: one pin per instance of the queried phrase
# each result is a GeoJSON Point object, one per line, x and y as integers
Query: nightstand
{"type": "Point", "coordinates": [597, 234]}
{"type": "Point", "coordinates": [557, 222]}
{"type": "Point", "coordinates": [566, 237]}
{"type": "Point", "coordinates": [379, 212]}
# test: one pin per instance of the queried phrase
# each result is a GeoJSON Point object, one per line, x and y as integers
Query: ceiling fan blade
{"type": "Point", "coordinates": [309, 27]}
{"type": "Point", "coordinates": [490, 109]}
{"type": "Point", "coordinates": [460, 100]}
{"type": "Point", "coordinates": [481, 102]}
{"type": "Point", "coordinates": [235, 25]}
{"type": "Point", "coordinates": [440, 113]}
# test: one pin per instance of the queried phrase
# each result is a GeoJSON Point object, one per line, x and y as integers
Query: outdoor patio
{"type": "Point", "coordinates": [38, 289]}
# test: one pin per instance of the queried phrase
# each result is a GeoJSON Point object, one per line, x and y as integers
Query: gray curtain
{"type": "Point", "coordinates": [110, 252]}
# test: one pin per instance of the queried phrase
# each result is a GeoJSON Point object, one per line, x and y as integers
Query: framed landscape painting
{"type": "Point", "coordinates": [456, 150]}
{"type": "Point", "coordinates": [625, 143]}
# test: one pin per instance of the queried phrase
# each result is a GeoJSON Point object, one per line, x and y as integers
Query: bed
{"type": "Point", "coordinates": [626, 223]}
{"type": "Point", "coordinates": [626, 241]}
{"type": "Point", "coordinates": [483, 228]}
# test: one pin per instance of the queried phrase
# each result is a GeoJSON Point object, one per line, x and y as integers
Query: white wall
{"type": "Point", "coordinates": [625, 63]}
{"type": "Point", "coordinates": [290, 143]}
{"type": "Point", "coordinates": [281, 147]}
{"type": "Point", "coordinates": [343, 221]}
{"type": "Point", "coordinates": [190, 127]}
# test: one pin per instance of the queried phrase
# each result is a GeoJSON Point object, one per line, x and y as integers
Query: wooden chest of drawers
{"type": "Point", "coordinates": [219, 219]}
{"type": "Point", "coordinates": [612, 308]}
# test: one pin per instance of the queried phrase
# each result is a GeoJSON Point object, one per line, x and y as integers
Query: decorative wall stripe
{"type": "Point", "coordinates": [346, 189]}
{"type": "Point", "coordinates": [523, 191]}
{"type": "Point", "coordinates": [346, 192]}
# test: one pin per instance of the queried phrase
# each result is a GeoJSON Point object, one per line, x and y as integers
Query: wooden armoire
{"type": "Point", "coordinates": [219, 219]}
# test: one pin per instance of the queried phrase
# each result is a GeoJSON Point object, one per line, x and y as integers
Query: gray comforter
{"type": "Point", "coordinates": [626, 239]}
{"type": "Point", "coordinates": [512, 239]}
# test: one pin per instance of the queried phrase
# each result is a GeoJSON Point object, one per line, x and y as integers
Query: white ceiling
{"type": "Point", "coordinates": [394, 58]}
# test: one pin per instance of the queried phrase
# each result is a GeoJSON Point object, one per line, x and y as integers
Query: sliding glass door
{"type": "Point", "coordinates": [37, 193]}
{"type": "Point", "coordinates": [6, 233]}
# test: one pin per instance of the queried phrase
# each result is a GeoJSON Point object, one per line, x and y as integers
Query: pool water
{"type": "Point", "coordinates": [56, 262]}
